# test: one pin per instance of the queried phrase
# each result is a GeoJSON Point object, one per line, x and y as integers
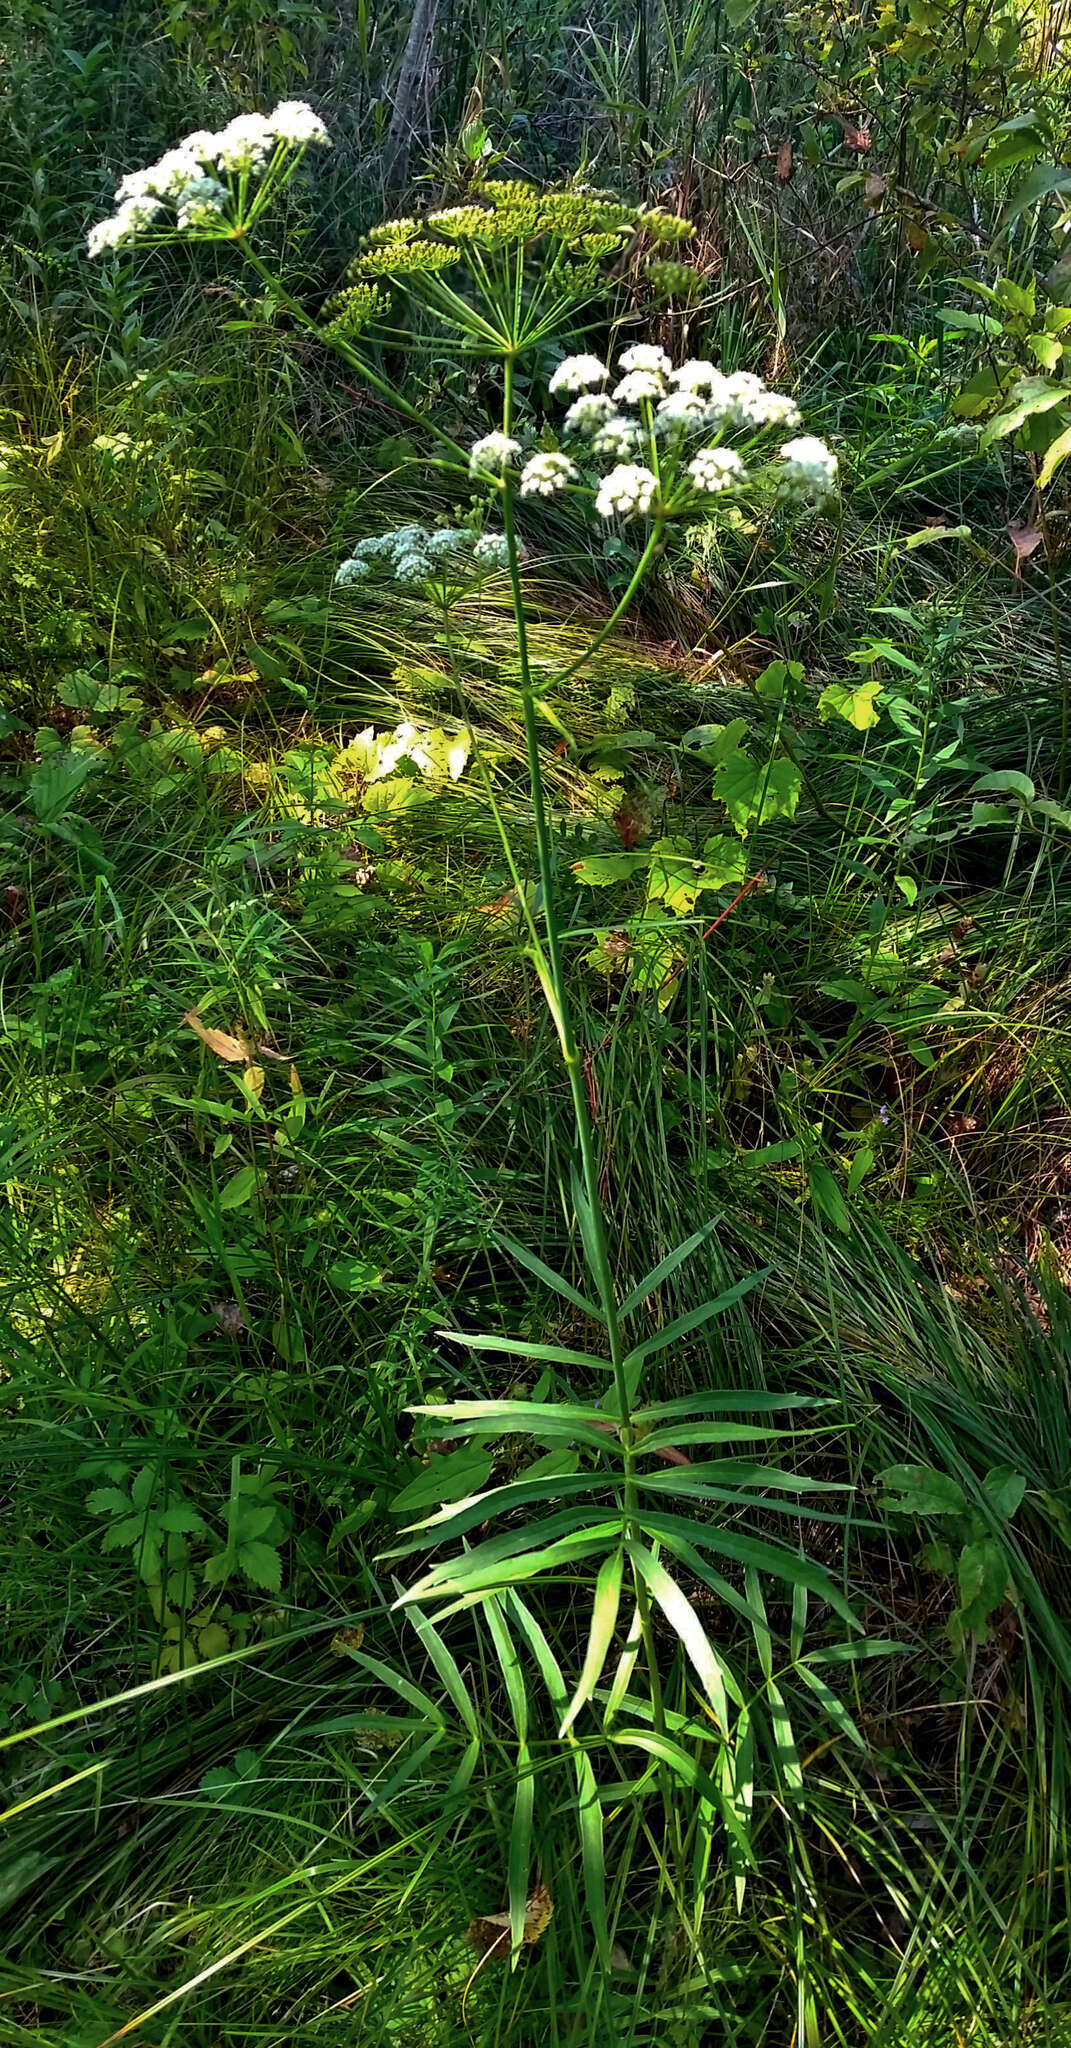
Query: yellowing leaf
{"type": "Point", "coordinates": [855, 703]}
{"type": "Point", "coordinates": [225, 1044]}
{"type": "Point", "coordinates": [490, 1931]}
{"type": "Point", "coordinates": [254, 1081]}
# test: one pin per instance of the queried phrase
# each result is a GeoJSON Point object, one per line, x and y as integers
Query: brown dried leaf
{"type": "Point", "coordinates": [1024, 540]}
{"type": "Point", "coordinates": [785, 162]}
{"type": "Point", "coordinates": [224, 1044]}
{"type": "Point", "coordinates": [345, 1639]}
{"type": "Point", "coordinates": [856, 138]}
{"type": "Point", "coordinates": [875, 187]}
{"type": "Point", "coordinates": [490, 1931]}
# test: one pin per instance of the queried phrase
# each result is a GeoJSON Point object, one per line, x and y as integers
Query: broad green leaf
{"type": "Point", "coordinates": [1029, 395]}
{"type": "Point", "coordinates": [754, 792]}
{"type": "Point", "coordinates": [1006, 782]}
{"type": "Point", "coordinates": [1042, 182]}
{"type": "Point", "coordinates": [261, 1564]}
{"type": "Point", "coordinates": [982, 1580]}
{"type": "Point", "coordinates": [601, 870]}
{"type": "Point", "coordinates": [857, 706]}
{"type": "Point", "coordinates": [1005, 1488]}
{"type": "Point", "coordinates": [827, 1196]}
{"type": "Point", "coordinates": [237, 1190]}
{"type": "Point", "coordinates": [604, 1609]}
{"type": "Point", "coordinates": [919, 1490]}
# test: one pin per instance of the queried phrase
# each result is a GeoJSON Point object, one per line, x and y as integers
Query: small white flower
{"type": "Point", "coordinates": [490, 456]}
{"type": "Point", "coordinates": [588, 413]}
{"type": "Point", "coordinates": [543, 476]}
{"type": "Point", "coordinates": [122, 226]}
{"type": "Point", "coordinates": [643, 355]}
{"type": "Point", "coordinates": [716, 469]}
{"type": "Point", "coordinates": [245, 144]}
{"type": "Point", "coordinates": [353, 571]}
{"type": "Point", "coordinates": [810, 469]}
{"type": "Point", "coordinates": [446, 540]}
{"type": "Point", "coordinates": [697, 375]}
{"type": "Point", "coordinates": [638, 385]}
{"type": "Point", "coordinates": [680, 411]}
{"type": "Point", "coordinates": [412, 567]}
{"type": "Point", "coordinates": [295, 123]}
{"type": "Point", "coordinates": [490, 551]}
{"type": "Point", "coordinates": [202, 203]}
{"type": "Point", "coordinates": [619, 436]}
{"type": "Point", "coordinates": [770, 409]}
{"type": "Point", "coordinates": [578, 373]}
{"type": "Point", "coordinates": [628, 490]}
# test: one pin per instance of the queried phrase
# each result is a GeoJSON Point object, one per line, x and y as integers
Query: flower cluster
{"type": "Point", "coordinates": [628, 491]}
{"type": "Point", "coordinates": [412, 555]}
{"type": "Point", "coordinates": [544, 476]}
{"type": "Point", "coordinates": [352, 310]}
{"type": "Point", "coordinates": [809, 472]}
{"type": "Point", "coordinates": [190, 179]}
{"type": "Point", "coordinates": [657, 407]}
{"type": "Point", "coordinates": [491, 456]}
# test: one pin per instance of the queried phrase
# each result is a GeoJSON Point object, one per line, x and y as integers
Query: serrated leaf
{"type": "Point", "coordinates": [753, 791]}
{"type": "Point", "coordinates": [261, 1564]}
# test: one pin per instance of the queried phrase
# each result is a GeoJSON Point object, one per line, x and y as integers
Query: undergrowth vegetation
{"type": "Point", "coordinates": [535, 1025]}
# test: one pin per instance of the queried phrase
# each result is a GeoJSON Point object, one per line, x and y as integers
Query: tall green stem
{"type": "Point", "coordinates": [556, 989]}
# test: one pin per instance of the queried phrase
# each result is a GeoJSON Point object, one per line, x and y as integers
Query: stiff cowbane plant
{"type": "Point", "coordinates": [639, 447]}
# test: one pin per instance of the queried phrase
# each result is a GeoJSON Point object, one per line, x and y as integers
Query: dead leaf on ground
{"type": "Point", "coordinates": [346, 1639]}
{"type": "Point", "coordinates": [1025, 540]}
{"type": "Point", "coordinates": [489, 1932]}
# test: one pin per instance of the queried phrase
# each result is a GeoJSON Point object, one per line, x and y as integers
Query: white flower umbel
{"type": "Point", "coordinates": [412, 567]}
{"type": "Point", "coordinates": [544, 476]}
{"type": "Point", "coordinates": [490, 551]}
{"type": "Point", "coordinates": [716, 469]}
{"type": "Point", "coordinates": [354, 570]}
{"type": "Point", "coordinates": [245, 144]}
{"type": "Point", "coordinates": [202, 203]}
{"type": "Point", "coordinates": [182, 177]}
{"type": "Point", "coordinates": [770, 409]}
{"type": "Point", "coordinates": [809, 472]}
{"type": "Point", "coordinates": [681, 412]}
{"type": "Point", "coordinates": [447, 540]}
{"type": "Point", "coordinates": [295, 125]}
{"type": "Point", "coordinates": [643, 355]}
{"type": "Point", "coordinates": [588, 413]}
{"type": "Point", "coordinates": [638, 385]}
{"type": "Point", "coordinates": [576, 374]}
{"type": "Point", "coordinates": [697, 375]}
{"type": "Point", "coordinates": [490, 456]}
{"type": "Point", "coordinates": [626, 492]}
{"type": "Point", "coordinates": [620, 436]}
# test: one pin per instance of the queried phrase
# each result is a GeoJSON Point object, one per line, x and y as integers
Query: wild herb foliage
{"type": "Point", "coordinates": [533, 1022]}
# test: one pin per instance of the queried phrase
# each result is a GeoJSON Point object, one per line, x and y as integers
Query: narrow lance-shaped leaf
{"type": "Point", "coordinates": [604, 1610]}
